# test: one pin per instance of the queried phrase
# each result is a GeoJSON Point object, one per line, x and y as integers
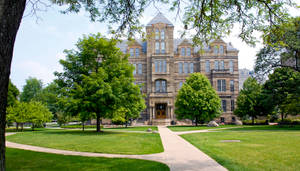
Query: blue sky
{"type": "Point", "coordinates": [41, 40]}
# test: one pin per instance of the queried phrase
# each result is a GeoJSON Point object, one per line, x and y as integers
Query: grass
{"type": "Point", "coordinates": [261, 148]}
{"type": "Point", "coordinates": [22, 160]}
{"type": "Point", "coordinates": [138, 128]}
{"type": "Point", "coordinates": [91, 141]}
{"type": "Point", "coordinates": [200, 127]}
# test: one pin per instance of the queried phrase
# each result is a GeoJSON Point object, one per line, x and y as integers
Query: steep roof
{"type": "Point", "coordinates": [160, 18]}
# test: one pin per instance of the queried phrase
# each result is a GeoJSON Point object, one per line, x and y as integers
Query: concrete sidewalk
{"type": "Point", "coordinates": [178, 154]}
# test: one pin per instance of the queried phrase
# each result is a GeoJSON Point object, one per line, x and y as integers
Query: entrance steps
{"type": "Point", "coordinates": [161, 122]}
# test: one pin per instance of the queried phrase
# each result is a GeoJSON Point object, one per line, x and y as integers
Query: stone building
{"type": "Point", "coordinates": [163, 63]}
{"type": "Point", "coordinates": [244, 74]}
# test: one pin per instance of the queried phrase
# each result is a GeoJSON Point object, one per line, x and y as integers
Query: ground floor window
{"type": "Point", "coordinates": [222, 119]}
{"type": "Point", "coordinates": [224, 105]}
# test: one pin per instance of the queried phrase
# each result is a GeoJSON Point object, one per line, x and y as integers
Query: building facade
{"type": "Point", "coordinates": [163, 63]}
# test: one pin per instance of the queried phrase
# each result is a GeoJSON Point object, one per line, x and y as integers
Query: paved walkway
{"type": "Point", "coordinates": [178, 154]}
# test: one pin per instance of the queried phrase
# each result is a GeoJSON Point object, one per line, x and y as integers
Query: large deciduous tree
{"type": "Point", "coordinates": [197, 100]}
{"type": "Point", "coordinates": [210, 18]}
{"type": "Point", "coordinates": [283, 91]}
{"type": "Point", "coordinates": [98, 79]}
{"type": "Point", "coordinates": [32, 88]}
{"type": "Point", "coordinates": [12, 95]}
{"type": "Point", "coordinates": [249, 102]}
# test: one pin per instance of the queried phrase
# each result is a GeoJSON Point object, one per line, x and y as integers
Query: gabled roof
{"type": "Point", "coordinates": [160, 18]}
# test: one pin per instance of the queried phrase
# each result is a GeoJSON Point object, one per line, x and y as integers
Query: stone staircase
{"type": "Point", "coordinates": [161, 122]}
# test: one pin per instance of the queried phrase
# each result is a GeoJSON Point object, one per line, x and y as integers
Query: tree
{"type": "Point", "coordinates": [249, 100]}
{"type": "Point", "coordinates": [31, 89]}
{"type": "Point", "coordinates": [97, 79]}
{"type": "Point", "coordinates": [283, 91]}
{"type": "Point", "coordinates": [12, 95]}
{"type": "Point", "coordinates": [208, 17]}
{"type": "Point", "coordinates": [197, 100]}
{"type": "Point", "coordinates": [282, 50]}
{"type": "Point", "coordinates": [18, 114]}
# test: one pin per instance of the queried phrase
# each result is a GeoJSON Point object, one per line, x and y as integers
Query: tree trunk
{"type": "Point", "coordinates": [98, 123]}
{"type": "Point", "coordinates": [82, 126]}
{"type": "Point", "coordinates": [11, 12]}
{"type": "Point", "coordinates": [17, 126]}
{"type": "Point", "coordinates": [22, 127]}
{"type": "Point", "coordinates": [196, 121]}
{"type": "Point", "coordinates": [282, 117]}
{"type": "Point", "coordinates": [32, 127]}
{"type": "Point", "coordinates": [252, 120]}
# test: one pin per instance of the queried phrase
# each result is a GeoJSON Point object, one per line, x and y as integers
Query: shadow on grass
{"type": "Point", "coordinates": [267, 128]}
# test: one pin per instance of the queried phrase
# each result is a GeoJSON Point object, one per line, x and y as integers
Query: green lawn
{"type": "Point", "coordinates": [22, 160]}
{"type": "Point", "coordinates": [262, 149]}
{"type": "Point", "coordinates": [200, 127]}
{"type": "Point", "coordinates": [91, 141]}
{"type": "Point", "coordinates": [138, 128]}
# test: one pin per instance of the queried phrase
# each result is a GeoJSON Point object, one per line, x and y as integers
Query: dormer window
{"type": "Point", "coordinates": [216, 50]}
{"type": "Point", "coordinates": [131, 51]}
{"type": "Point", "coordinates": [162, 34]}
{"type": "Point", "coordinates": [137, 52]}
{"type": "Point", "coordinates": [182, 51]}
{"type": "Point", "coordinates": [188, 51]}
{"type": "Point", "coordinates": [156, 34]}
{"type": "Point", "coordinates": [221, 49]}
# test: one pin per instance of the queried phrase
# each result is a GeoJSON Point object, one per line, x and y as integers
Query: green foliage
{"type": "Point", "coordinates": [12, 94]}
{"type": "Point", "coordinates": [97, 81]}
{"type": "Point", "coordinates": [31, 112]}
{"type": "Point", "coordinates": [281, 50]}
{"type": "Point", "coordinates": [197, 99]}
{"type": "Point", "coordinates": [282, 91]}
{"type": "Point", "coordinates": [249, 101]}
{"type": "Point", "coordinates": [32, 87]}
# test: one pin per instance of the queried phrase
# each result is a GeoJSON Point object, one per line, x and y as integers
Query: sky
{"type": "Point", "coordinates": [42, 38]}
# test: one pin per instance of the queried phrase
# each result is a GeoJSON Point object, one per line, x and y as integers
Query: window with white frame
{"type": "Point", "coordinates": [163, 47]}
{"type": "Point", "coordinates": [186, 68]}
{"type": "Point", "coordinates": [131, 52]}
{"type": "Point", "coordinates": [140, 69]}
{"type": "Point", "coordinates": [207, 66]}
{"type": "Point", "coordinates": [180, 67]}
{"type": "Point", "coordinates": [160, 86]}
{"type": "Point", "coordinates": [156, 47]}
{"type": "Point", "coordinates": [221, 49]}
{"type": "Point", "coordinates": [216, 65]}
{"type": "Point", "coordinates": [162, 34]}
{"type": "Point", "coordinates": [221, 65]}
{"type": "Point", "coordinates": [188, 51]}
{"type": "Point", "coordinates": [231, 65]}
{"type": "Point", "coordinates": [137, 52]}
{"type": "Point", "coordinates": [191, 67]}
{"type": "Point", "coordinates": [221, 85]}
{"type": "Point", "coordinates": [216, 50]}
{"type": "Point", "coordinates": [182, 51]}
{"type": "Point", "coordinates": [156, 34]}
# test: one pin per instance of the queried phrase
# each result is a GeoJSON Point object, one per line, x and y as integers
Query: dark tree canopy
{"type": "Point", "coordinates": [197, 100]}
{"type": "Point", "coordinates": [12, 95]}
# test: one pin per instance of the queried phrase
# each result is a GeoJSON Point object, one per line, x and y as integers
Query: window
{"type": "Point", "coordinates": [224, 105]}
{"type": "Point", "coordinates": [207, 66]}
{"type": "Point", "coordinates": [137, 52]}
{"type": "Point", "coordinates": [188, 51]}
{"type": "Point", "coordinates": [231, 66]}
{"type": "Point", "coordinates": [156, 47]}
{"type": "Point", "coordinates": [222, 119]}
{"type": "Point", "coordinates": [160, 86]}
{"type": "Point", "coordinates": [231, 85]}
{"type": "Point", "coordinates": [182, 51]}
{"type": "Point", "coordinates": [156, 34]}
{"type": "Point", "coordinates": [221, 49]}
{"type": "Point", "coordinates": [221, 85]}
{"type": "Point", "coordinates": [191, 67]}
{"type": "Point", "coordinates": [162, 47]}
{"type": "Point", "coordinates": [160, 66]}
{"type": "Point", "coordinates": [232, 105]}
{"type": "Point", "coordinates": [233, 119]}
{"type": "Point", "coordinates": [216, 65]}
{"type": "Point", "coordinates": [134, 71]}
{"type": "Point", "coordinates": [222, 65]}
{"type": "Point", "coordinates": [164, 66]}
{"type": "Point", "coordinates": [216, 50]}
{"type": "Point", "coordinates": [186, 68]}
{"type": "Point", "coordinates": [180, 84]}
{"type": "Point", "coordinates": [162, 34]}
{"type": "Point", "coordinates": [140, 71]}
{"type": "Point", "coordinates": [131, 51]}
{"type": "Point", "coordinates": [180, 67]}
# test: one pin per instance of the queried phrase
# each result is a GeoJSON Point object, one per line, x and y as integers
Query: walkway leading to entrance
{"type": "Point", "coordinates": [178, 154]}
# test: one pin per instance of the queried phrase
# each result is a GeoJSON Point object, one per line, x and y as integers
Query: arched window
{"type": "Point", "coordinates": [188, 51]}
{"type": "Point", "coordinates": [160, 86]}
{"type": "Point", "coordinates": [156, 34]}
{"type": "Point", "coordinates": [137, 52]}
{"type": "Point", "coordinates": [221, 49]}
{"type": "Point", "coordinates": [216, 50]}
{"type": "Point", "coordinates": [162, 34]}
{"type": "Point", "coordinates": [182, 51]}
